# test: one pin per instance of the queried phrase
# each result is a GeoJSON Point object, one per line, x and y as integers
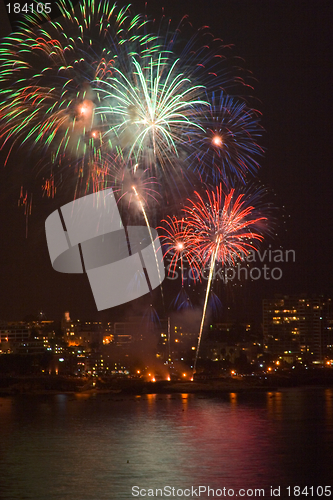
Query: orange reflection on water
{"type": "Point", "coordinates": [184, 397]}
{"type": "Point", "coordinates": [274, 404]}
{"type": "Point", "coordinates": [233, 398]}
{"type": "Point", "coordinates": [151, 398]}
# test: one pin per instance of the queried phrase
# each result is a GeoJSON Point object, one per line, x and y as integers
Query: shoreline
{"type": "Point", "coordinates": [65, 385]}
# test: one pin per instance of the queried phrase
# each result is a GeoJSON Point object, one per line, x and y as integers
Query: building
{"type": "Point", "coordinates": [12, 335]}
{"type": "Point", "coordinates": [298, 327]}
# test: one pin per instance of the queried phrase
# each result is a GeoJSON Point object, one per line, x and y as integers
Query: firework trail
{"type": "Point", "coordinates": [222, 228]}
{"type": "Point", "coordinates": [182, 300]}
{"type": "Point", "coordinates": [151, 239]}
{"type": "Point", "coordinates": [114, 171]}
{"type": "Point", "coordinates": [150, 318]}
{"type": "Point", "coordinates": [25, 201]}
{"type": "Point", "coordinates": [214, 304]}
{"type": "Point", "coordinates": [126, 176]}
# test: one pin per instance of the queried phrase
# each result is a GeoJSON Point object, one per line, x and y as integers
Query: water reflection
{"type": "Point", "coordinates": [274, 404]}
{"type": "Point", "coordinates": [88, 448]}
{"type": "Point", "coordinates": [233, 398]}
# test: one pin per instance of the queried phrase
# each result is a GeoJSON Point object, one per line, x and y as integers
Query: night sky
{"type": "Point", "coordinates": [287, 45]}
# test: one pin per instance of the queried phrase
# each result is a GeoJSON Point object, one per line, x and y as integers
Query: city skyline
{"type": "Point", "coordinates": [294, 329]}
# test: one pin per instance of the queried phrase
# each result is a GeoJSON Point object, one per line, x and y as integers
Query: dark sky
{"type": "Point", "coordinates": [288, 47]}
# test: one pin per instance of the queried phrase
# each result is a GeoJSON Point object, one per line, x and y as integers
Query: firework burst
{"type": "Point", "coordinates": [48, 71]}
{"type": "Point", "coordinates": [178, 243]}
{"type": "Point", "coordinates": [151, 111]}
{"type": "Point", "coordinates": [224, 225]}
{"type": "Point", "coordinates": [228, 149]}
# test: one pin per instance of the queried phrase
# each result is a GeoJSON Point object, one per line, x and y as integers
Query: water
{"type": "Point", "coordinates": [61, 447]}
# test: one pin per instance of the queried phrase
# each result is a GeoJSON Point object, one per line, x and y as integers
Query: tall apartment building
{"type": "Point", "coordinates": [298, 325]}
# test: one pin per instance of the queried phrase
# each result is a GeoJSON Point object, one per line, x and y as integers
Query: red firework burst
{"type": "Point", "coordinates": [223, 227]}
{"type": "Point", "coordinates": [179, 246]}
